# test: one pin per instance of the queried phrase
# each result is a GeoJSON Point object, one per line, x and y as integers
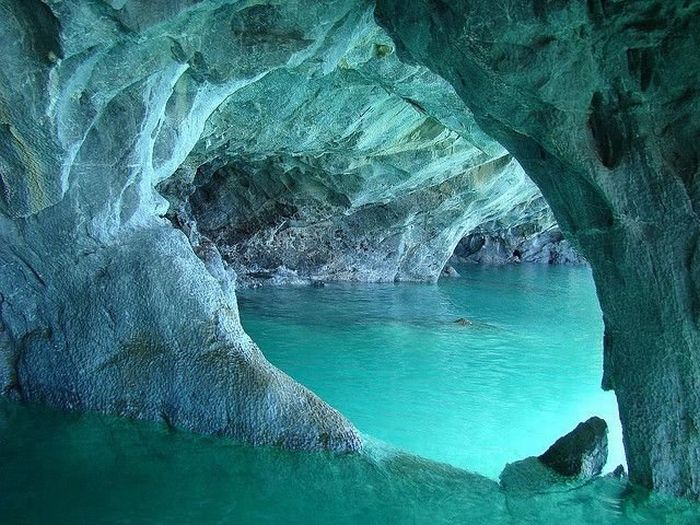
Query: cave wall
{"type": "Point", "coordinates": [364, 169]}
{"type": "Point", "coordinates": [293, 220]}
{"type": "Point", "coordinates": [105, 305]}
{"type": "Point", "coordinates": [598, 101]}
{"type": "Point", "coordinates": [524, 243]}
{"type": "Point", "coordinates": [152, 151]}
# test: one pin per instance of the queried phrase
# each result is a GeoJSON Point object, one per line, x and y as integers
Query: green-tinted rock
{"type": "Point", "coordinates": [599, 103]}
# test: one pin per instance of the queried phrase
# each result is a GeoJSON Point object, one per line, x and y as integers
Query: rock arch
{"type": "Point", "coordinates": [104, 305]}
{"type": "Point", "coordinates": [598, 101]}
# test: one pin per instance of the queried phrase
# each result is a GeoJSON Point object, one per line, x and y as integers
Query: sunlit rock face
{"type": "Point", "coordinates": [598, 101]}
{"type": "Point", "coordinates": [347, 166]}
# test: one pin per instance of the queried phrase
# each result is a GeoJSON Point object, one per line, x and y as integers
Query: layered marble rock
{"type": "Point", "coordinates": [598, 101]}
{"type": "Point", "coordinates": [283, 139]}
{"type": "Point", "coordinates": [358, 168]}
{"type": "Point", "coordinates": [104, 305]}
{"type": "Point", "coordinates": [288, 219]}
{"type": "Point", "coordinates": [515, 245]}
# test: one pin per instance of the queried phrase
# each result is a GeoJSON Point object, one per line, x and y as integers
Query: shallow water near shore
{"type": "Point", "coordinates": [392, 359]}
{"type": "Point", "coordinates": [63, 468]}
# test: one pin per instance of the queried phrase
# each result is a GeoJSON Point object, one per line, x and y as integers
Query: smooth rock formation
{"type": "Point", "coordinates": [449, 271]}
{"type": "Point", "coordinates": [531, 475]}
{"type": "Point", "coordinates": [103, 304]}
{"type": "Point", "coordinates": [371, 172]}
{"type": "Point", "coordinates": [599, 103]}
{"type": "Point", "coordinates": [150, 151]}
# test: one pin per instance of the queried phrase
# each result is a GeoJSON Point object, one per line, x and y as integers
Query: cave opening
{"type": "Point", "coordinates": [161, 160]}
{"type": "Point", "coordinates": [476, 371]}
{"type": "Point", "coordinates": [292, 233]}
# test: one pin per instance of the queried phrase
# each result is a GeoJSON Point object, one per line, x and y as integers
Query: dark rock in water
{"type": "Point", "coordinates": [580, 453]}
{"type": "Point", "coordinates": [575, 457]}
{"type": "Point", "coordinates": [463, 322]}
{"type": "Point", "coordinates": [619, 472]}
{"type": "Point", "coordinates": [317, 284]}
{"type": "Point", "coordinates": [449, 271]}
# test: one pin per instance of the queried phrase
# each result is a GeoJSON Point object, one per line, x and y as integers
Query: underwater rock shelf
{"type": "Point", "coordinates": [150, 151]}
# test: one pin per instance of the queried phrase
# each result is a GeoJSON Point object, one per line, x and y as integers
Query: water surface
{"type": "Point", "coordinates": [391, 358]}
{"type": "Point", "coordinates": [58, 468]}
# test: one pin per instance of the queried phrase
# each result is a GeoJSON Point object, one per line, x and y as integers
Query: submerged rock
{"type": "Point", "coordinates": [531, 475]}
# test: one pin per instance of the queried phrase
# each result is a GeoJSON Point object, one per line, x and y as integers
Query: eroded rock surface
{"type": "Point", "coordinates": [104, 305]}
{"type": "Point", "coordinates": [278, 139]}
{"type": "Point", "coordinates": [283, 219]}
{"type": "Point", "coordinates": [535, 245]}
{"type": "Point", "coordinates": [577, 456]}
{"type": "Point", "coordinates": [357, 168]}
{"type": "Point", "coordinates": [598, 101]}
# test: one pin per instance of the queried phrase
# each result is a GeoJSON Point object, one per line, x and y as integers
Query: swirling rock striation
{"type": "Point", "coordinates": [275, 138]}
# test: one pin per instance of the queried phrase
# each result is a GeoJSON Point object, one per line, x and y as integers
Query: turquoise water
{"type": "Point", "coordinates": [392, 359]}
{"type": "Point", "coordinates": [89, 469]}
